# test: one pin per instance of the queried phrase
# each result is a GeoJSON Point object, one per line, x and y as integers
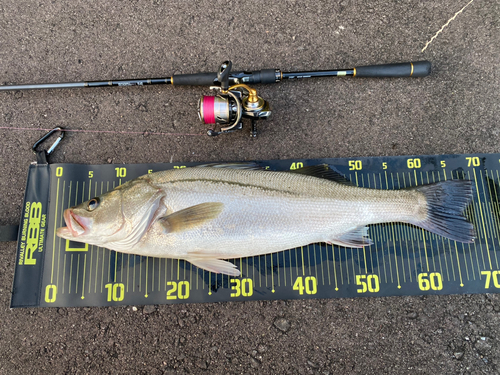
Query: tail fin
{"type": "Point", "coordinates": [446, 202]}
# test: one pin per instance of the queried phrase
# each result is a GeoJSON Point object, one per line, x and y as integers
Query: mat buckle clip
{"type": "Point", "coordinates": [42, 155]}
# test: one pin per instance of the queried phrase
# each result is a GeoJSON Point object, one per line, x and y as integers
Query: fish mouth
{"type": "Point", "coordinates": [75, 225]}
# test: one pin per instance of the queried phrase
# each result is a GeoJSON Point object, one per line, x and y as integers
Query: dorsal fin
{"type": "Point", "coordinates": [240, 165]}
{"type": "Point", "coordinates": [323, 171]}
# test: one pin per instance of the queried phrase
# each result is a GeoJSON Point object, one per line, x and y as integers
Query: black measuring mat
{"type": "Point", "coordinates": [403, 260]}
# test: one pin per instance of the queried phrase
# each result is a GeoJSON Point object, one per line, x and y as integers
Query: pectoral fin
{"type": "Point", "coordinates": [191, 217]}
{"type": "Point", "coordinates": [358, 237]}
{"type": "Point", "coordinates": [215, 265]}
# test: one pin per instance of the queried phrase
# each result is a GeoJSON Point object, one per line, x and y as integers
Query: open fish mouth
{"type": "Point", "coordinates": [75, 226]}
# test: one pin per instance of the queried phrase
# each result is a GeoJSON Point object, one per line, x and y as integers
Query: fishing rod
{"type": "Point", "coordinates": [234, 98]}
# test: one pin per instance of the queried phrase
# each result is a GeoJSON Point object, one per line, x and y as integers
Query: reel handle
{"type": "Point", "coordinates": [223, 74]}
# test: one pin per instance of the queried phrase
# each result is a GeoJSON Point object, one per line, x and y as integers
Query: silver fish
{"type": "Point", "coordinates": [204, 215]}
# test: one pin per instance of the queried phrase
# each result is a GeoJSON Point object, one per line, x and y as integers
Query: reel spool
{"type": "Point", "coordinates": [231, 104]}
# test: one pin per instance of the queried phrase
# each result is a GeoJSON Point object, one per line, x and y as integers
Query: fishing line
{"type": "Point", "coordinates": [103, 131]}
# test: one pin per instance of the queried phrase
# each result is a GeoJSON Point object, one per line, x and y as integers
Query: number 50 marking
{"type": "Point", "coordinates": [355, 165]}
{"type": "Point", "coordinates": [371, 284]}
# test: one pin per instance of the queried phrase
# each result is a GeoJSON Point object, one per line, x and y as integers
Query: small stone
{"type": "Point", "coordinates": [110, 160]}
{"type": "Point", "coordinates": [7, 116]}
{"type": "Point", "coordinates": [201, 363]}
{"type": "Point", "coordinates": [412, 315]}
{"type": "Point", "coordinates": [261, 348]}
{"type": "Point", "coordinates": [312, 365]}
{"type": "Point", "coordinates": [149, 309]}
{"type": "Point", "coordinates": [458, 355]}
{"type": "Point", "coordinates": [134, 308]}
{"type": "Point", "coordinates": [483, 345]}
{"type": "Point", "coordinates": [282, 324]}
{"type": "Point", "coordinates": [254, 363]}
{"type": "Point", "coordinates": [62, 311]}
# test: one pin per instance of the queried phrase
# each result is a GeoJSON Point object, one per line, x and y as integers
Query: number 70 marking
{"type": "Point", "coordinates": [488, 274]}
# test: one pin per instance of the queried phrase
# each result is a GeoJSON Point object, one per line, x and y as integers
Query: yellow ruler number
{"type": "Point", "coordinates": [243, 287]}
{"type": "Point", "coordinates": [179, 290]}
{"type": "Point", "coordinates": [116, 292]}
{"type": "Point", "coordinates": [308, 284]}
{"type": "Point", "coordinates": [368, 283]}
{"type": "Point", "coordinates": [121, 172]}
{"type": "Point", "coordinates": [427, 281]}
{"type": "Point", "coordinates": [50, 293]}
{"type": "Point", "coordinates": [473, 161]}
{"type": "Point", "coordinates": [491, 275]}
{"type": "Point", "coordinates": [355, 165]}
{"type": "Point", "coordinates": [414, 163]}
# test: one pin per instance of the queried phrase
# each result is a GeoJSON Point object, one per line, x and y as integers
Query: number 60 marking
{"type": "Point", "coordinates": [432, 281]}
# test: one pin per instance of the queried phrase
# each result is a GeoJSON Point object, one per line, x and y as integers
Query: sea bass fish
{"type": "Point", "coordinates": [207, 214]}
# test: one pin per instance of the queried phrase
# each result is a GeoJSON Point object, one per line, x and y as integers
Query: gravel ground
{"type": "Point", "coordinates": [455, 110]}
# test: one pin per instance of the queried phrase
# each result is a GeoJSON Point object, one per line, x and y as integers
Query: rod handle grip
{"type": "Point", "coordinates": [198, 79]}
{"type": "Point", "coordinates": [408, 69]}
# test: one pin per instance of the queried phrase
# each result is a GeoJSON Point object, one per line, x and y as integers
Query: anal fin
{"type": "Point", "coordinates": [215, 265]}
{"type": "Point", "coordinates": [357, 237]}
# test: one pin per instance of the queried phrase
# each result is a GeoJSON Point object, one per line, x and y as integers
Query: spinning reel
{"type": "Point", "coordinates": [231, 104]}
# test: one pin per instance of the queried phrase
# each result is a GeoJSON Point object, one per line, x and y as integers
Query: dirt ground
{"type": "Point", "coordinates": [454, 110]}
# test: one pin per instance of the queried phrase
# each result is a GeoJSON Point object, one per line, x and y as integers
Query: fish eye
{"type": "Point", "coordinates": [93, 204]}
